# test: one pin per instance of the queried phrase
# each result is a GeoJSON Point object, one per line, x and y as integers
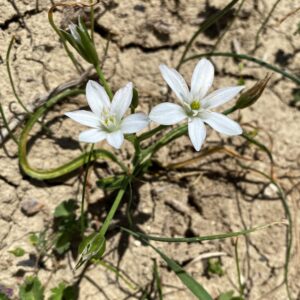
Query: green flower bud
{"type": "Point", "coordinates": [251, 95]}
{"type": "Point", "coordinates": [135, 100]}
{"type": "Point", "coordinates": [81, 41]}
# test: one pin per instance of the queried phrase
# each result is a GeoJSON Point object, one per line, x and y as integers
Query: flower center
{"type": "Point", "coordinates": [195, 105]}
{"type": "Point", "coordinates": [109, 120]}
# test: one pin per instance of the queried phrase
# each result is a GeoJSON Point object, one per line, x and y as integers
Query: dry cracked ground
{"type": "Point", "coordinates": [214, 194]}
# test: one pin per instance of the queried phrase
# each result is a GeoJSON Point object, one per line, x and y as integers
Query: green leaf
{"type": "Point", "coordinates": [63, 292]}
{"type": "Point", "coordinates": [135, 99]}
{"type": "Point", "coordinates": [111, 183]}
{"type": "Point", "coordinates": [3, 296]}
{"type": "Point", "coordinates": [63, 242]}
{"type": "Point", "coordinates": [215, 266]}
{"type": "Point", "coordinates": [194, 286]}
{"type": "Point", "coordinates": [18, 252]}
{"type": "Point", "coordinates": [57, 293]}
{"type": "Point", "coordinates": [92, 246]}
{"type": "Point", "coordinates": [33, 239]}
{"type": "Point", "coordinates": [229, 296]}
{"type": "Point", "coordinates": [157, 280]}
{"type": "Point", "coordinates": [200, 238]}
{"type": "Point", "coordinates": [31, 289]}
{"type": "Point", "coordinates": [66, 209]}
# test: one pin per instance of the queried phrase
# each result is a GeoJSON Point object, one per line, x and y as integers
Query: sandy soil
{"type": "Point", "coordinates": [212, 195]}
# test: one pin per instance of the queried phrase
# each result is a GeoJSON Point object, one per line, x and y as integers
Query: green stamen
{"type": "Point", "coordinates": [195, 105]}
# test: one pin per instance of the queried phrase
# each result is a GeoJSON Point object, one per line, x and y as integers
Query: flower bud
{"type": "Point", "coordinates": [80, 39]}
{"type": "Point", "coordinates": [135, 99]}
{"type": "Point", "coordinates": [251, 95]}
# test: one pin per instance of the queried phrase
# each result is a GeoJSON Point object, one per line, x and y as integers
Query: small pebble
{"type": "Point", "coordinates": [31, 207]}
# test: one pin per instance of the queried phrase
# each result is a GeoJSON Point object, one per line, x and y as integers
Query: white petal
{"type": "Point", "coordinates": [176, 82]}
{"type": "Point", "coordinates": [92, 136]}
{"type": "Point", "coordinates": [220, 96]}
{"type": "Point", "coordinates": [122, 100]}
{"type": "Point", "coordinates": [197, 132]}
{"type": "Point", "coordinates": [202, 79]}
{"type": "Point", "coordinates": [221, 123]}
{"type": "Point", "coordinates": [75, 34]}
{"type": "Point", "coordinates": [97, 97]}
{"type": "Point", "coordinates": [115, 139]}
{"type": "Point", "coordinates": [84, 117]}
{"type": "Point", "coordinates": [134, 123]}
{"type": "Point", "coordinates": [167, 113]}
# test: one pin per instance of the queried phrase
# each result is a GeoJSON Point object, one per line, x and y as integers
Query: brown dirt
{"type": "Point", "coordinates": [212, 195]}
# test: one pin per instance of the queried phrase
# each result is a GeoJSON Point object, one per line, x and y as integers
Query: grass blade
{"type": "Point", "coordinates": [194, 286]}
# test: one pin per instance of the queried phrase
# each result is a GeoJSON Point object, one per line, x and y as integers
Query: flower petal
{"type": "Point", "coordinates": [220, 96]}
{"type": "Point", "coordinates": [221, 123]}
{"type": "Point", "coordinates": [74, 32]}
{"type": "Point", "coordinates": [84, 117]}
{"type": "Point", "coordinates": [122, 100]}
{"type": "Point", "coordinates": [202, 79]}
{"type": "Point", "coordinates": [115, 139]}
{"type": "Point", "coordinates": [97, 97]}
{"type": "Point", "coordinates": [92, 136]}
{"type": "Point", "coordinates": [167, 113]}
{"type": "Point", "coordinates": [175, 82]}
{"type": "Point", "coordinates": [197, 132]}
{"type": "Point", "coordinates": [134, 123]}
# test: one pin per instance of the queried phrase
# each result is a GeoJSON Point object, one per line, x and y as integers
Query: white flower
{"type": "Point", "coordinates": [195, 105]}
{"type": "Point", "coordinates": [107, 118]}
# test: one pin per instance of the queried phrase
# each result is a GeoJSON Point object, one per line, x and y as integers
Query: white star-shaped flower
{"type": "Point", "coordinates": [107, 118]}
{"type": "Point", "coordinates": [195, 105]}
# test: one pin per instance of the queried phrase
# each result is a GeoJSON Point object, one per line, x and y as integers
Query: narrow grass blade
{"type": "Point", "coordinates": [194, 286]}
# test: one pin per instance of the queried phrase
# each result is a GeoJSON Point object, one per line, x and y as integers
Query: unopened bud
{"type": "Point", "coordinates": [135, 99]}
{"type": "Point", "coordinates": [80, 39]}
{"type": "Point", "coordinates": [251, 95]}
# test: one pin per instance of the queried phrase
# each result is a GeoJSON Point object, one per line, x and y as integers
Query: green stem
{"type": "Point", "coordinates": [70, 166]}
{"type": "Point", "coordinates": [6, 126]}
{"type": "Point", "coordinates": [170, 136]}
{"type": "Point", "coordinates": [92, 21]}
{"type": "Point", "coordinates": [204, 26]}
{"type": "Point", "coordinates": [228, 27]}
{"type": "Point", "coordinates": [265, 22]}
{"type": "Point", "coordinates": [220, 236]}
{"type": "Point", "coordinates": [103, 81]}
{"type": "Point", "coordinates": [289, 235]}
{"type": "Point", "coordinates": [83, 190]}
{"type": "Point", "coordinates": [151, 132]}
{"type": "Point", "coordinates": [114, 208]}
{"type": "Point", "coordinates": [237, 262]}
{"type": "Point", "coordinates": [76, 64]}
{"type": "Point", "coordinates": [10, 76]}
{"type": "Point", "coordinates": [262, 63]}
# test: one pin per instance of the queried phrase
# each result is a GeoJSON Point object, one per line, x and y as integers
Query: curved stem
{"type": "Point", "coordinates": [10, 76]}
{"type": "Point", "coordinates": [262, 63]}
{"type": "Point", "coordinates": [228, 27]}
{"type": "Point", "coordinates": [204, 26]}
{"type": "Point", "coordinates": [67, 168]}
{"type": "Point", "coordinates": [69, 53]}
{"type": "Point", "coordinates": [6, 125]}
